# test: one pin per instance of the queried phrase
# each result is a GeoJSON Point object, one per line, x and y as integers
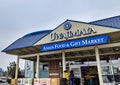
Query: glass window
{"type": "Point", "coordinates": [76, 71]}
{"type": "Point", "coordinates": [108, 78]}
{"type": "Point", "coordinates": [105, 79]}
{"type": "Point", "coordinates": [106, 70]}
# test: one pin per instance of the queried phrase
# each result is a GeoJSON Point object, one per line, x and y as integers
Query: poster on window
{"type": "Point", "coordinates": [37, 81]}
{"type": "Point", "coordinates": [27, 81]}
{"type": "Point", "coordinates": [19, 81]}
{"type": "Point", "coordinates": [45, 81]}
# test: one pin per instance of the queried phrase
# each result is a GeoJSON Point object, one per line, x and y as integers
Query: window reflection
{"type": "Point", "coordinates": [106, 70]}
{"type": "Point", "coordinates": [76, 71]}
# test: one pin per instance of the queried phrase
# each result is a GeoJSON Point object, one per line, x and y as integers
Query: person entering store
{"type": "Point", "coordinates": [71, 77]}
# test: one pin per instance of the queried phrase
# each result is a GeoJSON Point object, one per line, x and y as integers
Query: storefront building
{"type": "Point", "coordinates": [91, 50]}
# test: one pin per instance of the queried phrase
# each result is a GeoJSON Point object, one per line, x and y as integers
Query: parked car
{"type": "Point", "coordinates": [3, 81]}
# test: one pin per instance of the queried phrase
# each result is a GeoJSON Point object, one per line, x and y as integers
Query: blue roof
{"type": "Point", "coordinates": [31, 38]}
{"type": "Point", "coordinates": [27, 40]}
{"type": "Point", "coordinates": [113, 22]}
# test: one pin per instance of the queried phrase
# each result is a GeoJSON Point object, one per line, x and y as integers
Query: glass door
{"type": "Point", "coordinates": [89, 75]}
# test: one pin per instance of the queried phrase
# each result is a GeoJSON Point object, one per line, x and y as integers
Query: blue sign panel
{"type": "Point", "coordinates": [96, 40]}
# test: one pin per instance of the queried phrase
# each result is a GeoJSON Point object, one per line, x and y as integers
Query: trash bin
{"type": "Point", "coordinates": [63, 81]}
{"type": "Point", "coordinates": [76, 81]}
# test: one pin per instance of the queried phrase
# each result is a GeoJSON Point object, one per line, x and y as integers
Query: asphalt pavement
{"type": "Point", "coordinates": [4, 84]}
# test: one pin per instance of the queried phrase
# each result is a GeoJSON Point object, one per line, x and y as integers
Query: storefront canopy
{"type": "Point", "coordinates": [30, 43]}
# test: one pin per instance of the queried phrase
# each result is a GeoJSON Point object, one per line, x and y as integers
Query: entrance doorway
{"type": "Point", "coordinates": [89, 75]}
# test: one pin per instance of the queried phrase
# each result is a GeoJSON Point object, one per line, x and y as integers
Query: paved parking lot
{"type": "Point", "coordinates": [4, 84]}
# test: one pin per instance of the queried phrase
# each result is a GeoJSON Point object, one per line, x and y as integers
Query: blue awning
{"type": "Point", "coordinates": [113, 22]}
{"type": "Point", "coordinates": [27, 40]}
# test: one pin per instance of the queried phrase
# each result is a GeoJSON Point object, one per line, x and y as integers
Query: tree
{"type": "Point", "coordinates": [1, 72]}
{"type": "Point", "coordinates": [11, 70]}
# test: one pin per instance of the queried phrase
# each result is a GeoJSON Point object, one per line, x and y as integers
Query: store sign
{"type": "Point", "coordinates": [96, 40]}
{"type": "Point", "coordinates": [53, 74]}
{"type": "Point", "coordinates": [67, 25]}
{"type": "Point", "coordinates": [69, 34]}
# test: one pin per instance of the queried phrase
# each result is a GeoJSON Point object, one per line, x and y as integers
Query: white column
{"type": "Point", "coordinates": [38, 66]}
{"type": "Point", "coordinates": [17, 67]}
{"type": "Point", "coordinates": [63, 62]}
{"type": "Point", "coordinates": [33, 72]}
{"type": "Point", "coordinates": [111, 65]}
{"type": "Point", "coordinates": [98, 65]}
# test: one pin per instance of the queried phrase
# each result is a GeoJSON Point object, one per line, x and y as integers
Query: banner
{"type": "Point", "coordinates": [24, 81]}
{"type": "Point", "coordinates": [96, 40]}
{"type": "Point", "coordinates": [42, 81]}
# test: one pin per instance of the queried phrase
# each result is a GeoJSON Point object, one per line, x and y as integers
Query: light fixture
{"type": "Point", "coordinates": [116, 49]}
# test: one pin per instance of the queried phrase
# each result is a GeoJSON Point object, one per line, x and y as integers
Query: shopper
{"type": "Point", "coordinates": [71, 77]}
{"type": "Point", "coordinates": [66, 75]}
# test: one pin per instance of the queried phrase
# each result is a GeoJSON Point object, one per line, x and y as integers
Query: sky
{"type": "Point", "coordinates": [20, 17]}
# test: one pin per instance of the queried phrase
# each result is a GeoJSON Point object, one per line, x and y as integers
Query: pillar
{"type": "Point", "coordinates": [63, 62]}
{"type": "Point", "coordinates": [17, 67]}
{"type": "Point", "coordinates": [33, 70]}
{"type": "Point", "coordinates": [98, 65]}
{"type": "Point", "coordinates": [38, 67]}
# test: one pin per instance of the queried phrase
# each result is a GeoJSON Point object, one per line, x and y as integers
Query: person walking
{"type": "Point", "coordinates": [71, 77]}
